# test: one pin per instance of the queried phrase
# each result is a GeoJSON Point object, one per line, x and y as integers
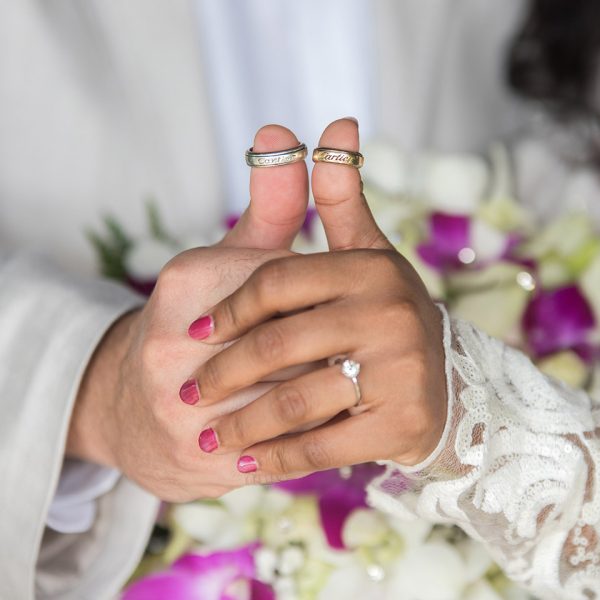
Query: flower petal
{"type": "Point", "coordinates": [335, 506]}
{"type": "Point", "coordinates": [174, 585]}
{"type": "Point", "coordinates": [557, 320]}
{"type": "Point", "coordinates": [449, 234]}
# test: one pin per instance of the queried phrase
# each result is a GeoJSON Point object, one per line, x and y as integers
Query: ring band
{"type": "Point", "coordinates": [350, 369]}
{"type": "Point", "coordinates": [276, 159]}
{"type": "Point", "coordinates": [338, 157]}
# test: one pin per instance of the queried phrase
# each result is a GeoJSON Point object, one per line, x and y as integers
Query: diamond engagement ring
{"type": "Point", "coordinates": [351, 369]}
{"type": "Point", "coordinates": [276, 159]}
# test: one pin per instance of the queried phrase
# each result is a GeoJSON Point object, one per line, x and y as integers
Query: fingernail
{"type": "Point", "coordinates": [247, 464]}
{"type": "Point", "coordinates": [201, 328]}
{"type": "Point", "coordinates": [189, 392]}
{"type": "Point", "coordinates": [208, 440]}
{"type": "Point", "coordinates": [352, 119]}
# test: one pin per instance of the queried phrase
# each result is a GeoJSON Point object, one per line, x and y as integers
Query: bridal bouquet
{"type": "Point", "coordinates": [455, 218]}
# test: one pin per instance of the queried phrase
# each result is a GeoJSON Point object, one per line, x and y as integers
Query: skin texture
{"type": "Point", "coordinates": [364, 301]}
{"type": "Point", "coordinates": [128, 413]}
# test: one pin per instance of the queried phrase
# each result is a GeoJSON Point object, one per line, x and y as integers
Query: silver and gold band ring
{"type": "Point", "coordinates": [338, 157]}
{"type": "Point", "coordinates": [276, 159]}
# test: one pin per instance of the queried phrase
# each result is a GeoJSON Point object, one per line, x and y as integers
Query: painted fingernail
{"type": "Point", "coordinates": [201, 328]}
{"type": "Point", "coordinates": [208, 440]}
{"type": "Point", "coordinates": [247, 464]}
{"type": "Point", "coordinates": [189, 392]}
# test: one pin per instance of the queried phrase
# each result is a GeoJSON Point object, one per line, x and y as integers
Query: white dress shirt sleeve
{"type": "Point", "coordinates": [74, 507]}
{"type": "Point", "coordinates": [50, 326]}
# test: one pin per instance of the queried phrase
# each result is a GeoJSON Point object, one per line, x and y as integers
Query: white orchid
{"type": "Point", "coordinates": [147, 257]}
{"type": "Point", "coordinates": [455, 184]}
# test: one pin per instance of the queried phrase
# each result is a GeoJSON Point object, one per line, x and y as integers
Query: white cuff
{"type": "Point", "coordinates": [73, 508]}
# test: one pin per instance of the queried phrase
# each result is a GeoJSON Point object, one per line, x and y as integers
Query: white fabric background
{"type": "Point", "coordinates": [302, 64]}
{"type": "Point", "coordinates": [104, 102]}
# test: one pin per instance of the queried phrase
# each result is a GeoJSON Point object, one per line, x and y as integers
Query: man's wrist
{"type": "Point", "coordinates": [92, 430]}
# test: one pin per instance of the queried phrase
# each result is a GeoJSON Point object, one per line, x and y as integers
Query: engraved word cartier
{"type": "Point", "coordinates": [276, 159]}
{"type": "Point", "coordinates": [340, 157]}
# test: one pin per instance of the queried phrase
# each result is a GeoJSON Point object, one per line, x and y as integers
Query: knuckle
{"type": "Point", "coordinates": [315, 454]}
{"type": "Point", "coordinates": [229, 316]}
{"type": "Point", "coordinates": [291, 405]}
{"type": "Point", "coordinates": [179, 454]}
{"type": "Point", "coordinates": [278, 460]}
{"type": "Point", "coordinates": [172, 274]}
{"type": "Point", "coordinates": [152, 352]}
{"type": "Point", "coordinates": [386, 261]}
{"type": "Point", "coordinates": [403, 314]}
{"type": "Point", "coordinates": [211, 377]}
{"type": "Point", "coordinates": [269, 343]}
{"type": "Point", "coordinates": [232, 433]}
{"type": "Point", "coordinates": [163, 411]}
{"type": "Point", "coordinates": [271, 279]}
{"type": "Point", "coordinates": [415, 424]}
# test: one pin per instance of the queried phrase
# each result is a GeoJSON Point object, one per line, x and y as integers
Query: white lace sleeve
{"type": "Point", "coordinates": [518, 468]}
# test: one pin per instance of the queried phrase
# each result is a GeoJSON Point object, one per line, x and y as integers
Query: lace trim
{"type": "Point", "coordinates": [518, 468]}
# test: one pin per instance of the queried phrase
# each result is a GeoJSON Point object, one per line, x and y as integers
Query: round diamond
{"type": "Point", "coordinates": [350, 368]}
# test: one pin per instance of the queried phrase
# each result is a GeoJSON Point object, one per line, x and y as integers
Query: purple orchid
{"type": "Point", "coordinates": [558, 320]}
{"type": "Point", "coordinates": [141, 286]}
{"type": "Point", "coordinates": [338, 496]}
{"type": "Point", "coordinates": [449, 234]}
{"type": "Point", "coordinates": [227, 575]}
{"type": "Point", "coordinates": [309, 222]}
{"type": "Point", "coordinates": [231, 220]}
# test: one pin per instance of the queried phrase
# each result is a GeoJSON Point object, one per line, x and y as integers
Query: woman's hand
{"type": "Point", "coordinates": [365, 304]}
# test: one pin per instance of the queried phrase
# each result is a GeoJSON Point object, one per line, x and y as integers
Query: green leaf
{"type": "Point", "coordinates": [155, 224]}
{"type": "Point", "coordinates": [111, 249]}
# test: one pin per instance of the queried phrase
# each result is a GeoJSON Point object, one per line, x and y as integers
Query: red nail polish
{"type": "Point", "coordinates": [189, 392]}
{"type": "Point", "coordinates": [247, 464]}
{"type": "Point", "coordinates": [208, 440]}
{"type": "Point", "coordinates": [201, 328]}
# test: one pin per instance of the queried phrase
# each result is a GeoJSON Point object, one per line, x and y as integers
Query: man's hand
{"type": "Point", "coordinates": [128, 412]}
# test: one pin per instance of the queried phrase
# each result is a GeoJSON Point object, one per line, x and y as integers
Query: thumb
{"type": "Point", "coordinates": [278, 197]}
{"type": "Point", "coordinates": [337, 189]}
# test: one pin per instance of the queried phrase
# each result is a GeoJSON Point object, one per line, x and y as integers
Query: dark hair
{"type": "Point", "coordinates": [555, 57]}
